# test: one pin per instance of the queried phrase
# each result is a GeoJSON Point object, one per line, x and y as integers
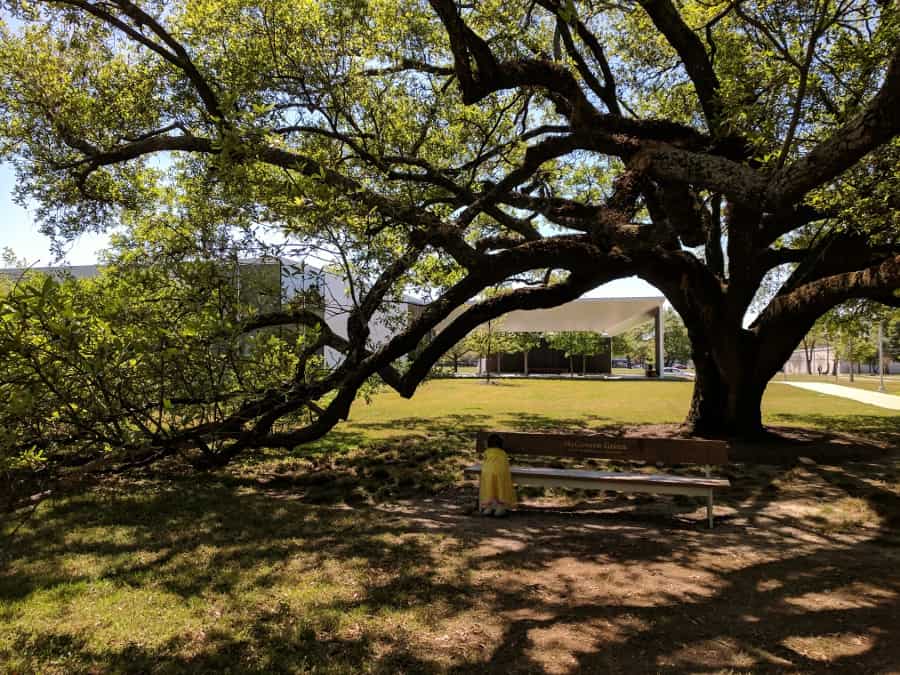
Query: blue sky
{"type": "Point", "coordinates": [18, 232]}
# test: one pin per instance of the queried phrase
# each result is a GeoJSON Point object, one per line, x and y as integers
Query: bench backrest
{"type": "Point", "coordinates": [600, 446]}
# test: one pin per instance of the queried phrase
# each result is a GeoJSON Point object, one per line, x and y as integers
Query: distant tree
{"type": "Point", "coordinates": [456, 353]}
{"type": "Point", "coordinates": [676, 343]}
{"type": "Point", "coordinates": [634, 344]}
{"type": "Point", "coordinates": [576, 343]}
{"type": "Point", "coordinates": [565, 343]}
{"type": "Point", "coordinates": [854, 327]}
{"type": "Point", "coordinates": [486, 341]}
{"type": "Point", "coordinates": [524, 343]}
{"type": "Point", "coordinates": [816, 336]}
{"type": "Point", "coordinates": [623, 347]}
{"type": "Point", "coordinates": [892, 337]}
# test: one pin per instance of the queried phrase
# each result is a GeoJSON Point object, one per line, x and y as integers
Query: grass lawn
{"type": "Point", "coordinates": [357, 554]}
{"type": "Point", "coordinates": [628, 371]}
{"type": "Point", "coordinates": [464, 406]}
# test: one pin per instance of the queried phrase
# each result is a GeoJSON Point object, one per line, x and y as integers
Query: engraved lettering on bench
{"type": "Point", "coordinates": [595, 445]}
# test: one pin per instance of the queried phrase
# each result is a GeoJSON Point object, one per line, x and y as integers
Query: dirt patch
{"type": "Point", "coordinates": [624, 584]}
{"type": "Point", "coordinates": [786, 445]}
{"type": "Point", "coordinates": [783, 445]}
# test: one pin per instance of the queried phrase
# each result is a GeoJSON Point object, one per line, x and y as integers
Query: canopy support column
{"type": "Point", "coordinates": [660, 341]}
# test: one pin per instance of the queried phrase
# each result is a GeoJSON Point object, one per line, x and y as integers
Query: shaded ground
{"type": "Point", "coordinates": [359, 554]}
{"type": "Point", "coordinates": [801, 573]}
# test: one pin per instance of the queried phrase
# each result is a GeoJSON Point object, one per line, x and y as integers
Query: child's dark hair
{"type": "Point", "coordinates": [495, 441]}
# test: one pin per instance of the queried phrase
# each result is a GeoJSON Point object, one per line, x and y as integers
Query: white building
{"type": "Point", "coordinates": [822, 358]}
{"type": "Point", "coordinates": [337, 298]}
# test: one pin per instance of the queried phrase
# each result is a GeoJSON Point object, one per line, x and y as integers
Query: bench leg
{"type": "Point", "coordinates": [709, 508]}
{"type": "Point", "coordinates": [478, 498]}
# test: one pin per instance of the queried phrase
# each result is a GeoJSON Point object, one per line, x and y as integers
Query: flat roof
{"type": "Point", "coordinates": [609, 316]}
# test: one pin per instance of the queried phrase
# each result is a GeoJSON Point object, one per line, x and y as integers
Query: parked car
{"type": "Point", "coordinates": [678, 372]}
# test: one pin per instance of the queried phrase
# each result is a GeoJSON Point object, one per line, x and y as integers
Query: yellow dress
{"type": "Point", "coordinates": [496, 487]}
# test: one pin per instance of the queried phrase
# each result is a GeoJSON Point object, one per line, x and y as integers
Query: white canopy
{"type": "Point", "coordinates": [610, 316]}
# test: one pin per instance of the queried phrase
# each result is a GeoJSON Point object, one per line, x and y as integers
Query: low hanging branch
{"type": "Point", "coordinates": [459, 156]}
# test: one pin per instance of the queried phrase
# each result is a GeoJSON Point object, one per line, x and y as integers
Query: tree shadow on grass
{"type": "Point", "coordinates": [423, 455]}
{"type": "Point", "coordinates": [275, 582]}
{"type": "Point", "coordinates": [885, 428]}
{"type": "Point", "coordinates": [536, 423]}
{"type": "Point", "coordinates": [277, 585]}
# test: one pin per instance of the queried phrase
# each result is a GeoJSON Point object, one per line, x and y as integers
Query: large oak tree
{"type": "Point", "coordinates": [710, 148]}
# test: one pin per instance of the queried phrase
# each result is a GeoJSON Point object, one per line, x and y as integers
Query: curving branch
{"type": "Point", "coordinates": [874, 126]}
{"type": "Point", "coordinates": [171, 49]}
{"type": "Point", "coordinates": [879, 282]}
{"type": "Point", "coordinates": [690, 49]}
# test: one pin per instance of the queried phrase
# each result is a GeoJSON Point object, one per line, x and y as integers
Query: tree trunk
{"type": "Point", "coordinates": [526, 362]}
{"type": "Point", "coordinates": [719, 408]}
{"type": "Point", "coordinates": [729, 386]}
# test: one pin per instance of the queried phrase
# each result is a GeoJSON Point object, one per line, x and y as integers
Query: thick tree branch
{"type": "Point", "coordinates": [879, 282]}
{"type": "Point", "coordinates": [481, 312]}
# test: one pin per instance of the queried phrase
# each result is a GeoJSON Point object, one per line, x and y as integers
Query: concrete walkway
{"type": "Point", "coordinates": [889, 401]}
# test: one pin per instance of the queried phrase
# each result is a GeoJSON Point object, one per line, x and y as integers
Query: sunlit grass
{"type": "Point", "coordinates": [518, 404]}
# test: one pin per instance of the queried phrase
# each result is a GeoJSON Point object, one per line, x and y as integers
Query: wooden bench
{"type": "Point", "coordinates": [631, 449]}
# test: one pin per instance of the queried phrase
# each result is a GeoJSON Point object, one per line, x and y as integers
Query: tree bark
{"type": "Point", "coordinates": [809, 350]}
{"type": "Point", "coordinates": [729, 384]}
{"type": "Point", "coordinates": [719, 408]}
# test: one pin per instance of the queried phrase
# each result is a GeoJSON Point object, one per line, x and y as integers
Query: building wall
{"type": "Point", "coordinates": [386, 322]}
{"type": "Point", "coordinates": [823, 358]}
{"type": "Point", "coordinates": [544, 360]}
{"type": "Point", "coordinates": [270, 283]}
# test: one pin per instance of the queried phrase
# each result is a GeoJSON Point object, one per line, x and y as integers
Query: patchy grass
{"type": "Point", "coordinates": [848, 513]}
{"type": "Point", "coordinates": [358, 554]}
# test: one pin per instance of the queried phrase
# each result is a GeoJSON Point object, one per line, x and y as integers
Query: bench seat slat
{"type": "Point", "coordinates": [665, 450]}
{"type": "Point", "coordinates": [522, 474]}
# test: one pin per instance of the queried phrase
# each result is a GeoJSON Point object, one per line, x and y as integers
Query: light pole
{"type": "Point", "coordinates": [880, 358]}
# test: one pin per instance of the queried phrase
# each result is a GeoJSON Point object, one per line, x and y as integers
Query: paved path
{"type": "Point", "coordinates": [889, 401]}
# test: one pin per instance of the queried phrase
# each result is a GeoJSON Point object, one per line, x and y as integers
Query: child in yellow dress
{"type": "Point", "coordinates": [496, 493]}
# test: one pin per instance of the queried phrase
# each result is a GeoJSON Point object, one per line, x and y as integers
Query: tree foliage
{"type": "Point", "coordinates": [541, 146]}
{"type": "Point", "coordinates": [676, 343]}
{"type": "Point", "coordinates": [138, 363]}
